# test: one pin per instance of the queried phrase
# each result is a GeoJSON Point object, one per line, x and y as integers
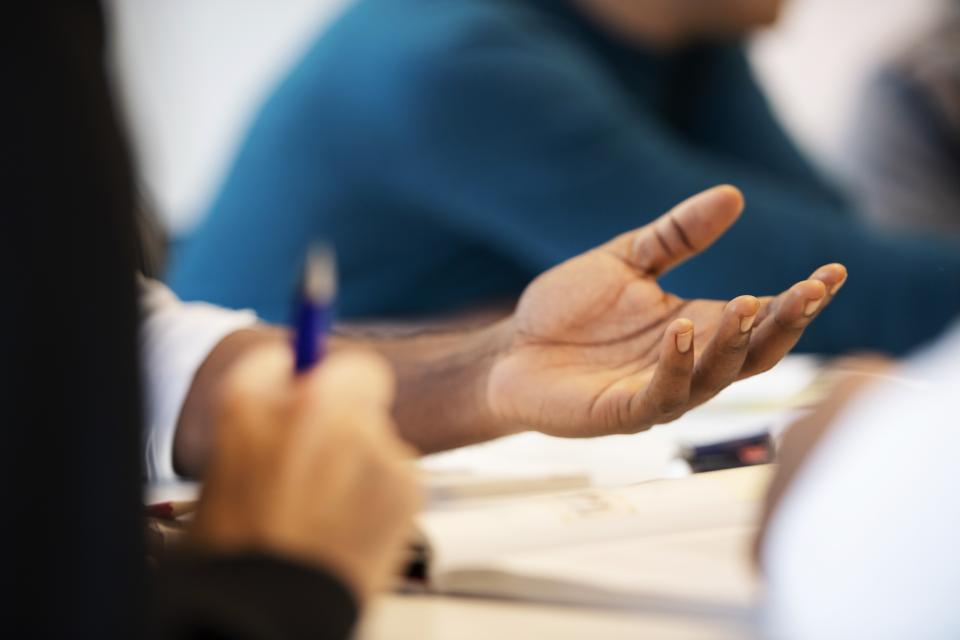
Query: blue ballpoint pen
{"type": "Point", "coordinates": [313, 316]}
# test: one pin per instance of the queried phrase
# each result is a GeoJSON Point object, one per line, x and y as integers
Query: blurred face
{"type": "Point", "coordinates": [674, 22]}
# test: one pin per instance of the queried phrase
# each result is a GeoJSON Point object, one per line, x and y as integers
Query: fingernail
{"type": "Point", "coordinates": [746, 323]}
{"type": "Point", "coordinates": [812, 307]}
{"type": "Point", "coordinates": [684, 342]}
{"type": "Point", "coordinates": [838, 286]}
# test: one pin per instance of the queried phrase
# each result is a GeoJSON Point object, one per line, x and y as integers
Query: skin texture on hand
{"type": "Point", "coordinates": [669, 23]}
{"type": "Point", "coordinates": [599, 348]}
{"type": "Point", "coordinates": [310, 469]}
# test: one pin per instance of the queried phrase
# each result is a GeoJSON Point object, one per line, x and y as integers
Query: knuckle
{"type": "Point", "coordinates": [790, 326]}
{"type": "Point", "coordinates": [338, 434]}
{"type": "Point", "coordinates": [676, 369]}
{"type": "Point", "coordinates": [408, 489]}
{"type": "Point", "coordinates": [713, 383]}
{"type": "Point", "coordinates": [359, 373]}
{"type": "Point", "coordinates": [233, 398]}
{"type": "Point", "coordinates": [763, 366]}
{"type": "Point", "coordinates": [707, 393]}
{"type": "Point", "coordinates": [716, 387]}
{"type": "Point", "coordinates": [669, 406]}
{"type": "Point", "coordinates": [406, 480]}
{"type": "Point", "coordinates": [732, 348]}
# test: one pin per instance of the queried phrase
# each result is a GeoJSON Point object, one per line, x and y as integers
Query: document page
{"type": "Point", "coordinates": [472, 538]}
{"type": "Point", "coordinates": [708, 571]}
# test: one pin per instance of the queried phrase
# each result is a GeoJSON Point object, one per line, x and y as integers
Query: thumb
{"type": "Point", "coordinates": [688, 229]}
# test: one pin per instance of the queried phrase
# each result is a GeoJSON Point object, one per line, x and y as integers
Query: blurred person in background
{"type": "Point", "coordinates": [470, 144]}
{"type": "Point", "coordinates": [308, 492]}
{"type": "Point", "coordinates": [905, 142]}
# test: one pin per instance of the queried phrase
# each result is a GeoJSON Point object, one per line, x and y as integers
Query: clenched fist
{"type": "Point", "coordinates": [309, 468]}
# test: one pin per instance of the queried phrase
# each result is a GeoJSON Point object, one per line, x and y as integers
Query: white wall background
{"type": "Point", "coordinates": [193, 72]}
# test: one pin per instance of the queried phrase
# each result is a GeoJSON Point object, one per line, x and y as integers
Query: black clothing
{"type": "Point", "coordinates": [70, 405]}
{"type": "Point", "coordinates": [252, 597]}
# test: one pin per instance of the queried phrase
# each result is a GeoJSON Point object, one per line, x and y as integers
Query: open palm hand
{"type": "Point", "coordinates": [599, 348]}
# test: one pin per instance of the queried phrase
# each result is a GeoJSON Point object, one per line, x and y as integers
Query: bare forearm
{"type": "Point", "coordinates": [442, 383]}
{"type": "Point", "coordinates": [441, 377]}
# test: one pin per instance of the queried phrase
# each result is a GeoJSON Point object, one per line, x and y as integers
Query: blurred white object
{"type": "Point", "coordinates": [660, 546]}
{"type": "Point", "coordinates": [864, 544]}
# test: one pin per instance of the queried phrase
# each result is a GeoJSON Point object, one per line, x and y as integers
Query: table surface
{"type": "Point", "coordinates": [667, 615]}
{"type": "Point", "coordinates": [426, 617]}
{"type": "Point", "coordinates": [610, 461]}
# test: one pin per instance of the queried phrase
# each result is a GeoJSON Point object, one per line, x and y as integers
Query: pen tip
{"type": "Point", "coordinates": [320, 277]}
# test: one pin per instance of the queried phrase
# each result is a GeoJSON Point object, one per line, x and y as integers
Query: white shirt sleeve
{"type": "Point", "coordinates": [175, 339]}
{"type": "Point", "coordinates": [865, 543]}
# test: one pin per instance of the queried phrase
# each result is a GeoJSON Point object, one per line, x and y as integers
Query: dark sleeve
{"type": "Point", "coordinates": [526, 146]}
{"type": "Point", "coordinates": [249, 597]}
{"type": "Point", "coordinates": [69, 389]}
{"type": "Point", "coordinates": [70, 410]}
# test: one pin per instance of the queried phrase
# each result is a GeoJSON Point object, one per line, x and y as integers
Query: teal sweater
{"type": "Point", "coordinates": [453, 149]}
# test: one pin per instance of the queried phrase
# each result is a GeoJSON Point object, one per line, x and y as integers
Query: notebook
{"type": "Point", "coordinates": [679, 543]}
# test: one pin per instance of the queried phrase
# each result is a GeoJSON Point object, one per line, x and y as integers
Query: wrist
{"type": "Point", "coordinates": [490, 345]}
{"type": "Point", "coordinates": [443, 382]}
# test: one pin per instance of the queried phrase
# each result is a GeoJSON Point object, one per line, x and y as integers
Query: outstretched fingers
{"type": "Point", "coordinates": [784, 319]}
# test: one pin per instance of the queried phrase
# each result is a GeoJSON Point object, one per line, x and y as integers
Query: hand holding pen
{"type": "Point", "coordinates": [311, 323]}
{"type": "Point", "coordinates": [311, 470]}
